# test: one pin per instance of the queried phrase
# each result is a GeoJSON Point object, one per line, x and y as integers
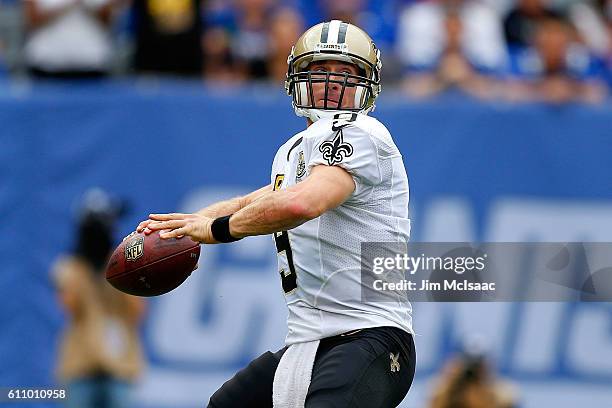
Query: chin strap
{"type": "Point", "coordinates": [316, 114]}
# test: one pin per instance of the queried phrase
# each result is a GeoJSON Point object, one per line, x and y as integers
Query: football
{"type": "Point", "coordinates": [146, 265]}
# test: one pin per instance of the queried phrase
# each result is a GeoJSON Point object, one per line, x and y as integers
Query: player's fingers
{"type": "Point", "coordinates": [142, 225]}
{"type": "Point", "coordinates": [175, 233]}
{"type": "Point", "coordinates": [154, 225]}
{"type": "Point", "coordinates": [160, 225]}
{"type": "Point", "coordinates": [166, 217]}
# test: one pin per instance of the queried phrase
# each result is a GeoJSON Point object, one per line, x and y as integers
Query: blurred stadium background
{"type": "Point", "coordinates": [500, 108]}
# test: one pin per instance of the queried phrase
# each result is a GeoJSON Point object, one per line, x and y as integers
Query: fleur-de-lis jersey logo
{"type": "Point", "coordinates": [336, 150]}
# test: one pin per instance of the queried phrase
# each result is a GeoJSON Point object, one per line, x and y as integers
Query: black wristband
{"type": "Point", "coordinates": [221, 230]}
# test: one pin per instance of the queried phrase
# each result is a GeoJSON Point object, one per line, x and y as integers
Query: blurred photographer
{"type": "Point", "coordinates": [100, 354]}
{"type": "Point", "coordinates": [466, 382]}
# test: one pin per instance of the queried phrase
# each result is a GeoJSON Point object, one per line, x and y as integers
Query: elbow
{"type": "Point", "coordinates": [300, 208]}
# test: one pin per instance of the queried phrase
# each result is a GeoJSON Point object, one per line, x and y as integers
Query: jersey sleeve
{"type": "Point", "coordinates": [351, 148]}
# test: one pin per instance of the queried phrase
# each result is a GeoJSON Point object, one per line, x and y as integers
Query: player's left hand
{"type": "Point", "coordinates": [196, 226]}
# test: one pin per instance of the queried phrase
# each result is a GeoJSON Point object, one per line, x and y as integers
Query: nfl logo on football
{"type": "Point", "coordinates": [134, 249]}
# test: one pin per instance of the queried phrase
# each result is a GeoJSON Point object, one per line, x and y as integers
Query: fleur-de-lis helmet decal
{"type": "Point", "coordinates": [336, 150]}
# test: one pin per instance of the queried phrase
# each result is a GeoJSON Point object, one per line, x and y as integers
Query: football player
{"type": "Point", "coordinates": [335, 185]}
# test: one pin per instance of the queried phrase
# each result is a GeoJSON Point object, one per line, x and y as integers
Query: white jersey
{"type": "Point", "coordinates": [319, 261]}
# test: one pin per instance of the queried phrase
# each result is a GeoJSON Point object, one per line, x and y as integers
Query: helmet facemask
{"type": "Point", "coordinates": [353, 92]}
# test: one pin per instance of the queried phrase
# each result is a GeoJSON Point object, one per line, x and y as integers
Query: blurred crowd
{"type": "Point", "coordinates": [520, 50]}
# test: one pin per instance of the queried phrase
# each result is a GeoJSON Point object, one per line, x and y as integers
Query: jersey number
{"type": "Point", "coordinates": [342, 120]}
{"type": "Point", "coordinates": [288, 278]}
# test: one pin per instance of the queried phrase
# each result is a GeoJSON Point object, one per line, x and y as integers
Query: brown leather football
{"type": "Point", "coordinates": [146, 265]}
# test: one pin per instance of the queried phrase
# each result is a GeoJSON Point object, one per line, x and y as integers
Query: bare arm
{"type": "Point", "coordinates": [324, 189]}
{"type": "Point", "coordinates": [215, 210]}
{"type": "Point", "coordinates": [233, 205]}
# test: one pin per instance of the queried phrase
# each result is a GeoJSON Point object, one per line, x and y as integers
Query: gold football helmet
{"type": "Point", "coordinates": [333, 40]}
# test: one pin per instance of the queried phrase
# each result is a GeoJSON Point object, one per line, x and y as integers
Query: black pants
{"type": "Point", "coordinates": [371, 368]}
